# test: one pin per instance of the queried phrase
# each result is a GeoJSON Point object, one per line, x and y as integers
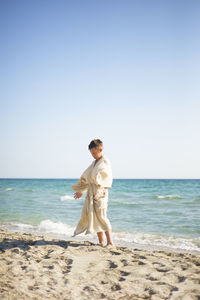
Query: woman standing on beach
{"type": "Point", "coordinates": [96, 180]}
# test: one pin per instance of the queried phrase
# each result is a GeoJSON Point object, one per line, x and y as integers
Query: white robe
{"type": "Point", "coordinates": [93, 180]}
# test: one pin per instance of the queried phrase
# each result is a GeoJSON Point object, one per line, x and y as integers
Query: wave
{"type": "Point", "coordinates": [129, 203]}
{"type": "Point", "coordinates": [66, 197]}
{"type": "Point", "coordinates": [45, 226]}
{"type": "Point", "coordinates": [29, 190]}
{"type": "Point", "coordinates": [148, 241]}
{"type": "Point", "coordinates": [169, 197]}
{"type": "Point", "coordinates": [9, 189]}
{"type": "Point", "coordinates": [158, 240]}
{"type": "Point", "coordinates": [123, 202]}
{"type": "Point", "coordinates": [55, 227]}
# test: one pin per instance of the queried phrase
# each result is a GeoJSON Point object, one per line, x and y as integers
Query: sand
{"type": "Point", "coordinates": [37, 267]}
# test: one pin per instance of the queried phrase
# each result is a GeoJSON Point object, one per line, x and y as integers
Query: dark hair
{"type": "Point", "coordinates": [95, 144]}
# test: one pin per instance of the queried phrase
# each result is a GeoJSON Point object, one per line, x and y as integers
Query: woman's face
{"type": "Point", "coordinates": [96, 152]}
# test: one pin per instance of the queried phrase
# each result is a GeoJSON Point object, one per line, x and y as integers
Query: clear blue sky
{"type": "Point", "coordinates": [126, 72]}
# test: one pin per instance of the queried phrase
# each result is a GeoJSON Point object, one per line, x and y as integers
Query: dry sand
{"type": "Point", "coordinates": [35, 267]}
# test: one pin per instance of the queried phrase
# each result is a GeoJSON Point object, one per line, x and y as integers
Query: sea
{"type": "Point", "coordinates": [151, 214]}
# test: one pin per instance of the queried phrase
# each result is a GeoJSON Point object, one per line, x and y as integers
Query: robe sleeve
{"type": "Point", "coordinates": [82, 185]}
{"type": "Point", "coordinates": [103, 177]}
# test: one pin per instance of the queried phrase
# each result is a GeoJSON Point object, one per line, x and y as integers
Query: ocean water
{"type": "Point", "coordinates": [144, 213]}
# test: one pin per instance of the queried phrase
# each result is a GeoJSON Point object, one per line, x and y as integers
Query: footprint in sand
{"type": "Point", "coordinates": [68, 269]}
{"type": "Point", "coordinates": [123, 273]}
{"type": "Point", "coordinates": [151, 278]}
{"type": "Point", "coordinates": [69, 262]}
{"type": "Point", "coordinates": [51, 267]}
{"type": "Point", "coordinates": [174, 289]}
{"type": "Point", "coordinates": [88, 288]}
{"type": "Point", "coordinates": [141, 263]}
{"type": "Point", "coordinates": [122, 279]}
{"type": "Point", "coordinates": [115, 253]}
{"type": "Point", "coordinates": [138, 262]}
{"type": "Point", "coordinates": [157, 263]}
{"type": "Point", "coordinates": [124, 262]}
{"type": "Point", "coordinates": [197, 263]}
{"type": "Point", "coordinates": [161, 267]}
{"type": "Point", "coordinates": [104, 282]}
{"type": "Point", "coordinates": [142, 257]}
{"type": "Point", "coordinates": [112, 265]}
{"type": "Point", "coordinates": [161, 283]}
{"type": "Point", "coordinates": [32, 288]}
{"type": "Point", "coordinates": [116, 287]}
{"type": "Point", "coordinates": [181, 279]}
{"type": "Point", "coordinates": [162, 270]}
{"type": "Point", "coordinates": [150, 291]}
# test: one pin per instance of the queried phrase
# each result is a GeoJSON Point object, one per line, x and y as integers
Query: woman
{"type": "Point", "coordinates": [96, 180]}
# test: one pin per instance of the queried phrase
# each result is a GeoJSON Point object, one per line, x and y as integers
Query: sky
{"type": "Point", "coordinates": [126, 72]}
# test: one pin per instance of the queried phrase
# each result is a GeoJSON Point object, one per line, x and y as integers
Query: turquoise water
{"type": "Point", "coordinates": [145, 212]}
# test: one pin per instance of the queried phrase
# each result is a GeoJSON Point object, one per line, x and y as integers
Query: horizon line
{"type": "Point", "coordinates": [117, 178]}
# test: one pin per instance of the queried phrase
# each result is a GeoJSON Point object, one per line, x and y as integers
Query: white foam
{"type": "Point", "coordinates": [45, 226]}
{"type": "Point", "coordinates": [66, 197]}
{"type": "Point", "coordinates": [124, 202]}
{"type": "Point", "coordinates": [55, 227]}
{"type": "Point", "coordinates": [159, 240]}
{"type": "Point", "coordinates": [9, 189]}
{"type": "Point", "coordinates": [24, 226]}
{"type": "Point", "coordinates": [169, 197]}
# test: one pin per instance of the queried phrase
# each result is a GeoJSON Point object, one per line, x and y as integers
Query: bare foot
{"type": "Point", "coordinates": [110, 246]}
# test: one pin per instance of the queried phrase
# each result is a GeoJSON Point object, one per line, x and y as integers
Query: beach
{"type": "Point", "coordinates": [39, 267]}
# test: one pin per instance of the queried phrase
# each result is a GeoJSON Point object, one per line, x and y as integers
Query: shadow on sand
{"type": "Point", "coordinates": [25, 244]}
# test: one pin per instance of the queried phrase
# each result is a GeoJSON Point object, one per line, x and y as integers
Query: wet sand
{"type": "Point", "coordinates": [38, 267]}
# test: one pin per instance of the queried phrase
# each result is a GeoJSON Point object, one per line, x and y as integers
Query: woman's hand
{"type": "Point", "coordinates": [105, 192]}
{"type": "Point", "coordinates": [78, 195]}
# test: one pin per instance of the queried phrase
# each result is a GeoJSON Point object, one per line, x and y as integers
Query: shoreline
{"type": "Point", "coordinates": [92, 238]}
{"type": "Point", "coordinates": [40, 267]}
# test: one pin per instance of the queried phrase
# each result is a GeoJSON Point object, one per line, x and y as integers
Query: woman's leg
{"type": "Point", "coordinates": [109, 238]}
{"type": "Point", "coordinates": [100, 237]}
